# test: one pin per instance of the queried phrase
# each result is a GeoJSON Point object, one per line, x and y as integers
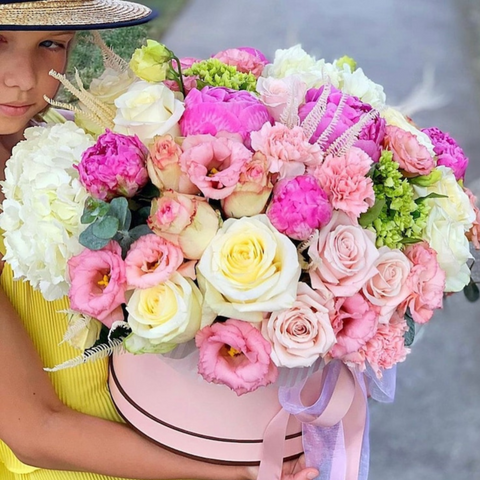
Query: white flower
{"type": "Point", "coordinates": [249, 268]}
{"type": "Point", "coordinates": [43, 206]}
{"type": "Point", "coordinates": [111, 85]}
{"type": "Point", "coordinates": [359, 85]}
{"type": "Point", "coordinates": [147, 110]}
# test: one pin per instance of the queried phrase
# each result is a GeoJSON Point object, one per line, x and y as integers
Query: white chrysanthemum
{"type": "Point", "coordinates": [43, 206]}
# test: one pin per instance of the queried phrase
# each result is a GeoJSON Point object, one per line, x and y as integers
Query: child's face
{"type": "Point", "coordinates": [25, 60]}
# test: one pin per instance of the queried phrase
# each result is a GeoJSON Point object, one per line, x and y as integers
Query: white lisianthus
{"type": "Point", "coordinates": [111, 85]}
{"type": "Point", "coordinates": [147, 110]}
{"type": "Point", "coordinates": [448, 221]}
{"type": "Point", "coordinates": [249, 268]}
{"type": "Point", "coordinates": [43, 206]}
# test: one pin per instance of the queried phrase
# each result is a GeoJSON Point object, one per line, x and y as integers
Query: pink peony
{"type": "Point", "coordinates": [287, 149]}
{"type": "Point", "coordinates": [98, 283]}
{"type": "Point", "coordinates": [219, 109]}
{"type": "Point", "coordinates": [343, 256]}
{"type": "Point", "coordinates": [448, 152]}
{"type": "Point", "coordinates": [371, 136]}
{"type": "Point", "coordinates": [214, 164]}
{"type": "Point", "coordinates": [114, 166]}
{"type": "Point", "coordinates": [299, 207]}
{"type": "Point", "coordinates": [345, 181]}
{"type": "Point", "coordinates": [234, 353]}
{"type": "Point", "coordinates": [150, 261]}
{"type": "Point", "coordinates": [412, 157]}
{"type": "Point", "coordinates": [426, 282]}
{"type": "Point", "coordinates": [354, 322]}
{"type": "Point", "coordinates": [473, 234]}
{"type": "Point", "coordinates": [244, 59]}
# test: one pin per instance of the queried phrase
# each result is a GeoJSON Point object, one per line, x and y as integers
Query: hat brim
{"type": "Point", "coordinates": [73, 15]}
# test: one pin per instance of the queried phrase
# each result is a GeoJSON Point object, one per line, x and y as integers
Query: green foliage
{"type": "Point", "coordinates": [410, 333]}
{"type": "Point", "coordinates": [471, 292]}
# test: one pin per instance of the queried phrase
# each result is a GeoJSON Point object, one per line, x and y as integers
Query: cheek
{"type": "Point", "coordinates": [50, 61]}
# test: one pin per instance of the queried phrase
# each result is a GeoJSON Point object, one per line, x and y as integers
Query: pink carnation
{"type": "Point", "coordinates": [299, 207]}
{"type": "Point", "coordinates": [346, 183]}
{"type": "Point", "coordinates": [473, 234]}
{"type": "Point", "coordinates": [114, 166]}
{"type": "Point", "coordinates": [287, 149]}
{"type": "Point", "coordinates": [245, 60]}
{"type": "Point", "coordinates": [234, 353]}
{"type": "Point", "coordinates": [151, 260]}
{"type": "Point", "coordinates": [98, 283]}
{"type": "Point", "coordinates": [213, 164]}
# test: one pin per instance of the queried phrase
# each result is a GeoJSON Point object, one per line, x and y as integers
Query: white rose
{"type": "Point", "coordinates": [111, 85]}
{"type": "Point", "coordinates": [249, 268]}
{"type": "Point", "coordinates": [147, 110]}
{"type": "Point", "coordinates": [358, 84]}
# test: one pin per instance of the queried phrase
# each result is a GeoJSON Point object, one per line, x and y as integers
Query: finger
{"type": "Point", "coordinates": [306, 474]}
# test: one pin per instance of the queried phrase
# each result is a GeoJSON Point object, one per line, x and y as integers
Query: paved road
{"type": "Point", "coordinates": [432, 432]}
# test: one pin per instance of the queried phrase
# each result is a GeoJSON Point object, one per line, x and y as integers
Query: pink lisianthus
{"type": "Point", "coordinates": [214, 164]}
{"type": "Point", "coordinates": [426, 282]}
{"type": "Point", "coordinates": [343, 256]}
{"type": "Point", "coordinates": [235, 354]}
{"type": "Point", "coordinates": [218, 109]}
{"type": "Point", "coordinates": [189, 81]}
{"type": "Point", "coordinates": [287, 149]}
{"type": "Point", "coordinates": [354, 322]}
{"type": "Point", "coordinates": [114, 166]}
{"type": "Point", "coordinates": [448, 152]}
{"type": "Point", "coordinates": [244, 59]}
{"type": "Point", "coordinates": [98, 283]}
{"type": "Point", "coordinates": [299, 206]}
{"type": "Point", "coordinates": [150, 261]}
{"type": "Point", "coordinates": [413, 158]}
{"type": "Point", "coordinates": [473, 234]}
{"type": "Point", "coordinates": [345, 181]}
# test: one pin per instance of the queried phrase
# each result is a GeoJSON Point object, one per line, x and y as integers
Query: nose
{"type": "Point", "coordinates": [20, 73]}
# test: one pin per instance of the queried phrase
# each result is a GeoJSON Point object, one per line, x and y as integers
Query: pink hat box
{"type": "Point", "coordinates": [192, 417]}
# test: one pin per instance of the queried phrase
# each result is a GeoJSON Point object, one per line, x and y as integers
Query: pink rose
{"type": "Point", "coordinates": [426, 282]}
{"type": "Point", "coordinates": [301, 334]}
{"type": "Point", "coordinates": [150, 261]}
{"type": "Point", "coordinates": [412, 157]}
{"type": "Point", "coordinates": [98, 283]}
{"type": "Point", "coordinates": [214, 164]}
{"type": "Point", "coordinates": [343, 256]}
{"type": "Point", "coordinates": [245, 60]}
{"type": "Point", "coordinates": [345, 180]}
{"type": "Point", "coordinates": [473, 234]}
{"type": "Point", "coordinates": [299, 207]}
{"type": "Point", "coordinates": [354, 323]}
{"type": "Point", "coordinates": [389, 287]}
{"type": "Point", "coordinates": [234, 353]}
{"type": "Point", "coordinates": [287, 149]}
{"type": "Point", "coordinates": [114, 166]}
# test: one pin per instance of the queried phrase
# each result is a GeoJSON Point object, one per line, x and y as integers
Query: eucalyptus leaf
{"type": "Point", "coordinates": [409, 336]}
{"type": "Point", "coordinates": [93, 209]}
{"type": "Point", "coordinates": [106, 227]}
{"type": "Point", "coordinates": [140, 231]}
{"type": "Point", "coordinates": [149, 191]}
{"type": "Point", "coordinates": [119, 209]}
{"type": "Point", "coordinates": [372, 213]}
{"type": "Point", "coordinates": [91, 241]}
{"type": "Point", "coordinates": [471, 292]}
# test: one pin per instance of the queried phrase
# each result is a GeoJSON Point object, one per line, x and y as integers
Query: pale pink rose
{"type": "Point", "coordinates": [275, 93]}
{"type": "Point", "coordinates": [98, 283]}
{"type": "Point", "coordinates": [213, 164]}
{"type": "Point", "coordinates": [301, 334]}
{"type": "Point", "coordinates": [412, 157]}
{"type": "Point", "coordinates": [187, 221]}
{"type": "Point", "coordinates": [234, 353]}
{"type": "Point", "coordinates": [243, 60]}
{"type": "Point", "coordinates": [328, 298]}
{"type": "Point", "coordinates": [354, 323]}
{"type": "Point", "coordinates": [345, 181]}
{"type": "Point", "coordinates": [426, 282]}
{"type": "Point", "coordinates": [343, 256]}
{"type": "Point", "coordinates": [150, 261]}
{"type": "Point", "coordinates": [473, 234]}
{"type": "Point", "coordinates": [163, 165]}
{"type": "Point", "coordinates": [389, 287]}
{"type": "Point", "coordinates": [287, 149]}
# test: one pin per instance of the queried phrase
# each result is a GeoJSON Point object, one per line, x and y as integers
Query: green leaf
{"type": "Point", "coordinates": [410, 334]}
{"type": "Point", "coordinates": [93, 209]}
{"type": "Point", "coordinates": [140, 231]}
{"type": "Point", "coordinates": [410, 240]}
{"type": "Point", "coordinates": [119, 209]}
{"type": "Point", "coordinates": [149, 191]}
{"type": "Point", "coordinates": [372, 213]}
{"type": "Point", "coordinates": [430, 195]}
{"type": "Point", "coordinates": [91, 241]}
{"type": "Point", "coordinates": [471, 291]}
{"type": "Point", "coordinates": [106, 227]}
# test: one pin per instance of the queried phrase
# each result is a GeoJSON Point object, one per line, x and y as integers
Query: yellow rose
{"type": "Point", "coordinates": [151, 62]}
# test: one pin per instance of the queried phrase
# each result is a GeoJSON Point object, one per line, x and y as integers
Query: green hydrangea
{"type": "Point", "coordinates": [215, 73]}
{"type": "Point", "coordinates": [401, 219]}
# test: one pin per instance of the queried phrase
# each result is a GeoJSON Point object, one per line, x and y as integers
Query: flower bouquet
{"type": "Point", "coordinates": [268, 233]}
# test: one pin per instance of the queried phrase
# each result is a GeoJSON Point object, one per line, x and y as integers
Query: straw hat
{"type": "Point", "coordinates": [71, 14]}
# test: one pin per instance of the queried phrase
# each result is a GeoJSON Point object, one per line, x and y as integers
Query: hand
{"type": "Point", "coordinates": [292, 470]}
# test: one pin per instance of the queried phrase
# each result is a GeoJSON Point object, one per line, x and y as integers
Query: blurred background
{"type": "Point", "coordinates": [432, 431]}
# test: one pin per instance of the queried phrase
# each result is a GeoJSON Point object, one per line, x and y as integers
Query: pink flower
{"type": "Point", "coordinates": [98, 283]}
{"type": "Point", "coordinates": [354, 323]}
{"type": "Point", "coordinates": [343, 256]}
{"type": "Point", "coordinates": [412, 157]}
{"type": "Point", "coordinates": [246, 60]}
{"type": "Point", "coordinates": [426, 282]}
{"type": "Point", "coordinates": [346, 183]}
{"type": "Point", "coordinates": [219, 109]}
{"type": "Point", "coordinates": [189, 81]}
{"type": "Point", "coordinates": [114, 166]}
{"type": "Point", "coordinates": [473, 234]}
{"type": "Point", "coordinates": [299, 206]}
{"type": "Point", "coordinates": [301, 334]}
{"type": "Point", "coordinates": [287, 149]}
{"type": "Point", "coordinates": [150, 261]}
{"type": "Point", "coordinates": [213, 164]}
{"type": "Point", "coordinates": [234, 353]}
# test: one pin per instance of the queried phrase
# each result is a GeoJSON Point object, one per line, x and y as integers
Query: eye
{"type": "Point", "coordinates": [51, 45]}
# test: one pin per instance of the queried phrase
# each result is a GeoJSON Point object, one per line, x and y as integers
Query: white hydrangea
{"type": "Point", "coordinates": [43, 206]}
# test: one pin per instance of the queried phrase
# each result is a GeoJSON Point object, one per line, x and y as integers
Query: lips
{"type": "Point", "coordinates": [14, 109]}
